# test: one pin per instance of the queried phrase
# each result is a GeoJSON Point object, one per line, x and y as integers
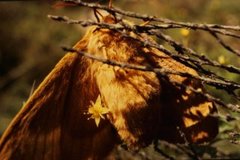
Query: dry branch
{"type": "Point", "coordinates": [136, 29]}
{"type": "Point", "coordinates": [217, 81]}
{"type": "Point", "coordinates": [183, 54]}
{"type": "Point", "coordinates": [152, 18]}
{"type": "Point", "coordinates": [159, 71]}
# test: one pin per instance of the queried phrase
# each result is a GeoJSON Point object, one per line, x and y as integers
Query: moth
{"type": "Point", "coordinates": [84, 108]}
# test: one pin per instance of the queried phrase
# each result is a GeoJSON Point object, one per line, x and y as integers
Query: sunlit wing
{"type": "Point", "coordinates": [142, 106]}
{"type": "Point", "coordinates": [191, 112]}
{"type": "Point", "coordinates": [52, 125]}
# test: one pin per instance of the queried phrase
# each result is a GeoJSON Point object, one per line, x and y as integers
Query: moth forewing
{"type": "Point", "coordinates": [37, 125]}
{"type": "Point", "coordinates": [140, 105]}
{"type": "Point", "coordinates": [51, 125]}
{"type": "Point", "coordinates": [139, 101]}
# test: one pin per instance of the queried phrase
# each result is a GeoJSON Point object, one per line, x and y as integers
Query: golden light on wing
{"type": "Point", "coordinates": [199, 135]}
{"type": "Point", "coordinates": [141, 106]}
{"type": "Point", "coordinates": [200, 111]}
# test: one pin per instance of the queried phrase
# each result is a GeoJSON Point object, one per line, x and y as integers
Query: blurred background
{"type": "Point", "coordinates": [30, 45]}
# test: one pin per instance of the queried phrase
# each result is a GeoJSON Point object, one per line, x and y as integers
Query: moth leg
{"type": "Point", "coordinates": [145, 23]}
{"type": "Point", "coordinates": [110, 4]}
{"type": "Point", "coordinates": [97, 14]}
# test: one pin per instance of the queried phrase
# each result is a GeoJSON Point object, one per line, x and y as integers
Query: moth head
{"type": "Point", "coordinates": [109, 19]}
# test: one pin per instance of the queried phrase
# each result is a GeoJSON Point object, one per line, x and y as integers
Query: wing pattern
{"type": "Point", "coordinates": [142, 105]}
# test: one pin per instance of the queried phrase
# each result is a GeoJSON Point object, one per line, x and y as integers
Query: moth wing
{"type": "Point", "coordinates": [36, 130]}
{"type": "Point", "coordinates": [183, 108]}
{"type": "Point", "coordinates": [52, 124]}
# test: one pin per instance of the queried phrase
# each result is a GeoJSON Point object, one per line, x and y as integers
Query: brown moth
{"type": "Point", "coordinates": [141, 106]}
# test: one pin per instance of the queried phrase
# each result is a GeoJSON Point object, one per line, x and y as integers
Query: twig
{"type": "Point", "coordinates": [153, 18]}
{"type": "Point", "coordinates": [164, 71]}
{"type": "Point", "coordinates": [157, 149]}
{"type": "Point", "coordinates": [203, 27]}
{"type": "Point", "coordinates": [184, 55]}
{"type": "Point", "coordinates": [205, 60]}
{"type": "Point", "coordinates": [32, 88]}
{"type": "Point", "coordinates": [194, 154]}
{"type": "Point", "coordinates": [227, 47]}
{"type": "Point", "coordinates": [161, 71]}
{"type": "Point", "coordinates": [181, 58]}
{"type": "Point", "coordinates": [218, 83]}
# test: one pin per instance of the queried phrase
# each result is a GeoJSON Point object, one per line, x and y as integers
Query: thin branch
{"type": "Point", "coordinates": [182, 54]}
{"type": "Point", "coordinates": [203, 27]}
{"type": "Point", "coordinates": [227, 47]}
{"type": "Point", "coordinates": [214, 80]}
{"type": "Point", "coordinates": [181, 49]}
{"type": "Point", "coordinates": [205, 60]}
{"type": "Point", "coordinates": [157, 149]}
{"type": "Point", "coordinates": [153, 18]}
{"type": "Point", "coordinates": [161, 71]}
{"type": "Point", "coordinates": [194, 154]}
{"type": "Point", "coordinates": [164, 71]}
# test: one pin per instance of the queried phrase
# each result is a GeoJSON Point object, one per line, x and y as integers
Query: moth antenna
{"type": "Point", "coordinates": [112, 13]}
{"type": "Point", "coordinates": [145, 23]}
{"type": "Point", "coordinates": [97, 14]}
{"type": "Point", "coordinates": [60, 4]}
{"type": "Point", "coordinates": [115, 17]}
{"type": "Point", "coordinates": [33, 88]}
{"type": "Point", "coordinates": [110, 4]}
